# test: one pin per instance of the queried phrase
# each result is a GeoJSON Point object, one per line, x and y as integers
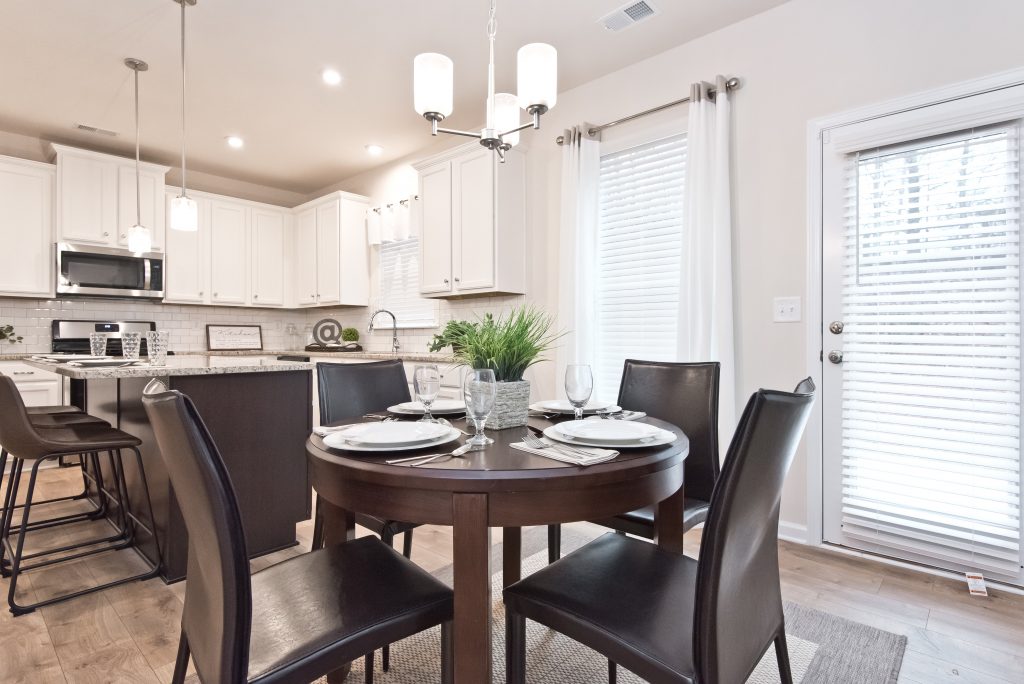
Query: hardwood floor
{"type": "Point", "coordinates": [130, 633]}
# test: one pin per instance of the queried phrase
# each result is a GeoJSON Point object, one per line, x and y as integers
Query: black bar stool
{"type": "Point", "coordinates": [27, 443]}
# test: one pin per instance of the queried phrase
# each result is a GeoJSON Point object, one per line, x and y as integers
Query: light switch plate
{"type": "Point", "coordinates": [786, 309]}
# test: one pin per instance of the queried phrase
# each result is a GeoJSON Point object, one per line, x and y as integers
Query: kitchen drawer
{"type": "Point", "coordinates": [37, 387]}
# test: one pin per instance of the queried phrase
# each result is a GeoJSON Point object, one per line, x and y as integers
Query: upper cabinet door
{"type": "Point", "coordinates": [268, 251]}
{"type": "Point", "coordinates": [229, 253]}
{"type": "Point", "coordinates": [355, 261]}
{"type": "Point", "coordinates": [26, 228]}
{"type": "Point", "coordinates": [151, 191]}
{"type": "Point", "coordinates": [87, 200]}
{"type": "Point", "coordinates": [185, 265]}
{"type": "Point", "coordinates": [328, 252]}
{"type": "Point", "coordinates": [435, 207]}
{"type": "Point", "coordinates": [305, 257]}
{"type": "Point", "coordinates": [473, 221]}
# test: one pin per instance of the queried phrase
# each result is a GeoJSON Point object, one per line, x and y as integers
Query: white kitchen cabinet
{"type": "Point", "coordinates": [37, 387]}
{"type": "Point", "coordinates": [268, 257]}
{"type": "Point", "coordinates": [186, 264]}
{"type": "Point", "coordinates": [229, 253]}
{"type": "Point", "coordinates": [330, 252]}
{"type": "Point", "coordinates": [473, 219]}
{"type": "Point", "coordinates": [96, 198]}
{"type": "Point", "coordinates": [26, 228]}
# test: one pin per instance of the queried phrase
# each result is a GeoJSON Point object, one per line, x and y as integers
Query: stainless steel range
{"type": "Point", "coordinates": [72, 337]}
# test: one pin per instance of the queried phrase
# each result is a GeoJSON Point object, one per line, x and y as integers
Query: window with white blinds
{"type": "Point", "coordinates": [399, 272]}
{"type": "Point", "coordinates": [639, 258]}
{"type": "Point", "coordinates": [931, 408]}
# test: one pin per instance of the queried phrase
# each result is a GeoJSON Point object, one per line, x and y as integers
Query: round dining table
{"type": "Point", "coordinates": [499, 486]}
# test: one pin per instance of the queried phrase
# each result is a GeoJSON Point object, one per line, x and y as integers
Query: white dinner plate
{"type": "Point", "coordinates": [101, 363]}
{"type": "Point", "coordinates": [337, 441]}
{"type": "Point", "coordinates": [665, 437]}
{"type": "Point", "coordinates": [392, 434]}
{"type": "Point", "coordinates": [440, 407]}
{"type": "Point", "coordinates": [69, 357]}
{"type": "Point", "coordinates": [609, 431]}
{"type": "Point", "coordinates": [563, 406]}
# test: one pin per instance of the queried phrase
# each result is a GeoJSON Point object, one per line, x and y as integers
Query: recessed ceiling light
{"type": "Point", "coordinates": [331, 77]}
{"type": "Point", "coordinates": [375, 150]}
{"type": "Point", "coordinates": [235, 142]}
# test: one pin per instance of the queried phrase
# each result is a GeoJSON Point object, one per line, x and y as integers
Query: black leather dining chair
{"type": "Point", "coordinates": [297, 620]}
{"type": "Point", "coordinates": [686, 395]}
{"type": "Point", "coordinates": [679, 620]}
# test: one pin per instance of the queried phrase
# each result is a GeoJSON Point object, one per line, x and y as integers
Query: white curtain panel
{"type": "Point", "coordinates": [581, 166]}
{"type": "Point", "coordinates": [706, 309]}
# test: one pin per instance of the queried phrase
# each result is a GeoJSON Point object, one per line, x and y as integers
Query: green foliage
{"type": "Point", "coordinates": [350, 335]}
{"type": "Point", "coordinates": [7, 333]}
{"type": "Point", "coordinates": [507, 345]}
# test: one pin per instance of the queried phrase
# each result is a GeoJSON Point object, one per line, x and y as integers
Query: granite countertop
{"type": "Point", "coordinates": [423, 357]}
{"type": "Point", "coordinates": [190, 364]}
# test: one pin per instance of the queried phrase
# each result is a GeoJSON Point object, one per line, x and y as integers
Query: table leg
{"type": "Point", "coordinates": [339, 527]}
{"type": "Point", "coordinates": [511, 555]}
{"type": "Point", "coordinates": [668, 522]}
{"type": "Point", "coordinates": [472, 652]}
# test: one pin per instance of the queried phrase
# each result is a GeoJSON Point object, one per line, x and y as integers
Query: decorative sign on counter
{"type": "Point", "coordinates": [234, 338]}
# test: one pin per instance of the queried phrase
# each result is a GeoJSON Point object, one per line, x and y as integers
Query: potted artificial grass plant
{"type": "Point", "coordinates": [508, 345]}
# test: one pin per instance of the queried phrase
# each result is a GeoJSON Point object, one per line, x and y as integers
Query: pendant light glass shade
{"type": "Point", "coordinates": [506, 116]}
{"type": "Point", "coordinates": [139, 239]}
{"type": "Point", "coordinates": [537, 75]}
{"type": "Point", "coordinates": [433, 84]}
{"type": "Point", "coordinates": [184, 214]}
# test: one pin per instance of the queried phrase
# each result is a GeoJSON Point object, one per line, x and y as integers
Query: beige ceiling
{"type": "Point", "coordinates": [254, 70]}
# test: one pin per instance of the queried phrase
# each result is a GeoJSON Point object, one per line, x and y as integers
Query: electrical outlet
{"type": "Point", "coordinates": [786, 309]}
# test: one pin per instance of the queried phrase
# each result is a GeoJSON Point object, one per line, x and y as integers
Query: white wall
{"type": "Point", "coordinates": [797, 62]}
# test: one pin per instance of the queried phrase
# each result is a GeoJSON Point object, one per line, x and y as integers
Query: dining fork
{"type": "Point", "coordinates": [534, 442]}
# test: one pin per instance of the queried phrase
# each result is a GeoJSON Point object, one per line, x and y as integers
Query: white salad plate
{"type": "Point", "coordinates": [563, 406]}
{"type": "Point", "coordinates": [336, 440]}
{"type": "Point", "coordinates": [609, 431]}
{"type": "Point", "coordinates": [664, 437]}
{"type": "Point", "coordinates": [392, 434]}
{"type": "Point", "coordinates": [439, 407]}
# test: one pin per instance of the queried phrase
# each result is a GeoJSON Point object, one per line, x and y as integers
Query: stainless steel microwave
{"type": "Point", "coordinates": [89, 270]}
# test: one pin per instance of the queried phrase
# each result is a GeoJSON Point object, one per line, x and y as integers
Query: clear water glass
{"type": "Point", "coordinates": [98, 343]}
{"type": "Point", "coordinates": [426, 381]}
{"type": "Point", "coordinates": [579, 385]}
{"type": "Point", "coordinates": [130, 343]}
{"type": "Point", "coordinates": [479, 389]}
{"type": "Point", "coordinates": [156, 347]}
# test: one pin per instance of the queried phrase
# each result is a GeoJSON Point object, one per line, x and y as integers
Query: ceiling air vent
{"type": "Point", "coordinates": [627, 16]}
{"type": "Point", "coordinates": [93, 129]}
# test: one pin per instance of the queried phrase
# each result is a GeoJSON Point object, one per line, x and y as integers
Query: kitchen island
{"type": "Point", "coordinates": [258, 411]}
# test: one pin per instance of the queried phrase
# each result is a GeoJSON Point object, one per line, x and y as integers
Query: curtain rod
{"type": "Point", "coordinates": [731, 84]}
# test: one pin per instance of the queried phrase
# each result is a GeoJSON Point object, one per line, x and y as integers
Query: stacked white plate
{"type": "Point", "coordinates": [390, 436]}
{"type": "Point", "coordinates": [440, 407]}
{"type": "Point", "coordinates": [563, 406]}
{"type": "Point", "coordinates": [619, 434]}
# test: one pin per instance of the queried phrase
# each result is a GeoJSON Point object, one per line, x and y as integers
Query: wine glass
{"type": "Point", "coordinates": [479, 389]}
{"type": "Point", "coordinates": [426, 380]}
{"type": "Point", "coordinates": [579, 385]}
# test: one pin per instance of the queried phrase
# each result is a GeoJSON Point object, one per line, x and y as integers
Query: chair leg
{"type": "Point", "coordinates": [515, 648]}
{"type": "Point", "coordinates": [17, 551]}
{"type": "Point", "coordinates": [369, 668]}
{"type": "Point", "coordinates": [407, 544]}
{"type": "Point", "coordinates": [447, 663]}
{"type": "Point", "coordinates": [612, 672]}
{"type": "Point", "coordinates": [554, 543]}
{"type": "Point", "coordinates": [181, 662]}
{"type": "Point", "coordinates": [782, 655]}
{"type": "Point", "coordinates": [318, 527]}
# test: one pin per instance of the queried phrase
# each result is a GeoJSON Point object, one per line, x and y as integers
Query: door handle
{"type": "Point", "coordinates": [835, 356]}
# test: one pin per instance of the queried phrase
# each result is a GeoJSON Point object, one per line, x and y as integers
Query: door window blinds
{"type": "Point", "coordinates": [639, 258]}
{"type": "Point", "coordinates": [400, 285]}
{"type": "Point", "coordinates": [931, 375]}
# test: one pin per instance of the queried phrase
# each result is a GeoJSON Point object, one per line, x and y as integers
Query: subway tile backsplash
{"type": "Point", "coordinates": [282, 330]}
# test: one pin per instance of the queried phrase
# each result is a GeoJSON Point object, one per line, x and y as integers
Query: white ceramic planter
{"type": "Point", "coordinates": [511, 405]}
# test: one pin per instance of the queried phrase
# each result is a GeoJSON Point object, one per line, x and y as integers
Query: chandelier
{"type": "Point", "coordinates": [536, 82]}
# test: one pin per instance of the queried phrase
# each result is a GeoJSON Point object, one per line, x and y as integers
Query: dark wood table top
{"type": "Point", "coordinates": [499, 467]}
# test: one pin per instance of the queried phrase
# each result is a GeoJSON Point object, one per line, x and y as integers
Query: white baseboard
{"type": "Point", "coordinates": [792, 532]}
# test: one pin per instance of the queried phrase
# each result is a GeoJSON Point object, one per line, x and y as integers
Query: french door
{"type": "Point", "coordinates": [921, 335]}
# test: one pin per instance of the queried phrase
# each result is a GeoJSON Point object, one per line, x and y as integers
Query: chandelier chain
{"type": "Point", "coordinates": [492, 21]}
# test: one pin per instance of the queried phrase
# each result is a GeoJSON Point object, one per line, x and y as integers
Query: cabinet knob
{"type": "Point", "coordinates": [456, 280]}
{"type": "Point", "coordinates": [255, 296]}
{"type": "Point", "coordinates": [200, 293]}
{"type": "Point", "coordinates": [124, 235]}
{"type": "Point", "coordinates": [214, 294]}
{"type": "Point", "coordinates": [106, 234]}
{"type": "Point", "coordinates": [445, 281]}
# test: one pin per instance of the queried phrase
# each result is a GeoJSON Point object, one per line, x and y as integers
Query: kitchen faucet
{"type": "Point", "coordinates": [394, 327]}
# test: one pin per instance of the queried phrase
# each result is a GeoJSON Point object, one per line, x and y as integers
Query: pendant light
{"type": "Point", "coordinates": [184, 209]}
{"type": "Point", "coordinates": [140, 240]}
